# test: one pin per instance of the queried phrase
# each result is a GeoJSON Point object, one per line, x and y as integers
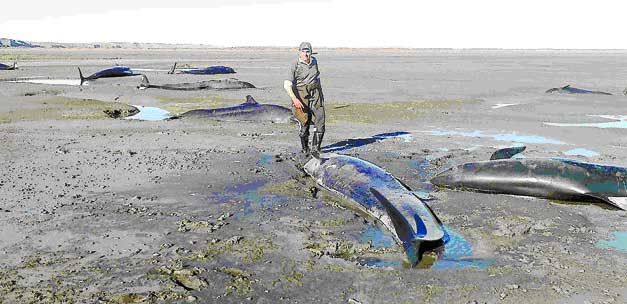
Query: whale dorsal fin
{"type": "Point", "coordinates": [250, 100]}
{"type": "Point", "coordinates": [566, 86]}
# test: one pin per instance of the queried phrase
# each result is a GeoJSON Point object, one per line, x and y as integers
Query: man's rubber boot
{"type": "Point", "coordinates": [304, 143]}
{"type": "Point", "coordinates": [316, 142]}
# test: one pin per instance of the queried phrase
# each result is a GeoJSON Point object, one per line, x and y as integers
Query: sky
{"type": "Point", "coordinates": [526, 24]}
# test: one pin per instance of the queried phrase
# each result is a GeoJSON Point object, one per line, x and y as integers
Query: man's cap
{"type": "Point", "coordinates": [306, 46]}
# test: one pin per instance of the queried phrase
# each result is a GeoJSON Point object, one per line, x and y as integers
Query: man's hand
{"type": "Point", "coordinates": [297, 103]}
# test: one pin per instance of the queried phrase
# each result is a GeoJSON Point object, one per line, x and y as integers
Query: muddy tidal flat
{"type": "Point", "coordinates": [99, 208]}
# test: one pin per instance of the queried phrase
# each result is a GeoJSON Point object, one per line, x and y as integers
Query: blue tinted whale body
{"type": "Point", "coordinates": [248, 111]}
{"type": "Point", "coordinates": [211, 70]}
{"type": "Point", "coordinates": [551, 178]}
{"type": "Point", "coordinates": [572, 90]}
{"type": "Point", "coordinates": [118, 71]}
{"type": "Point", "coordinates": [213, 84]}
{"type": "Point", "coordinates": [380, 195]}
{"type": "Point", "coordinates": [5, 67]}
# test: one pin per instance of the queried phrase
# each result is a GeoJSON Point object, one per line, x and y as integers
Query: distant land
{"type": "Point", "coordinates": [15, 43]}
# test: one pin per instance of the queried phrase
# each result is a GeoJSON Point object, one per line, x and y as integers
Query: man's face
{"type": "Point", "coordinates": [305, 55]}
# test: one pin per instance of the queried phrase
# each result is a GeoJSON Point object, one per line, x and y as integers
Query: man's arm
{"type": "Point", "coordinates": [289, 88]}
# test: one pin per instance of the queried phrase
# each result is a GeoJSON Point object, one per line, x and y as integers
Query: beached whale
{"type": "Point", "coordinates": [552, 178]}
{"type": "Point", "coordinates": [213, 84]}
{"type": "Point", "coordinates": [5, 67]}
{"type": "Point", "coordinates": [572, 90]}
{"type": "Point", "coordinates": [118, 71]}
{"type": "Point", "coordinates": [380, 195]}
{"type": "Point", "coordinates": [248, 111]}
{"type": "Point", "coordinates": [212, 70]}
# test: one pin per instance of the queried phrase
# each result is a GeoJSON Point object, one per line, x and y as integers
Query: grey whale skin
{"type": "Point", "coordinates": [213, 84]}
{"type": "Point", "coordinates": [552, 178]}
{"type": "Point", "coordinates": [572, 90]}
{"type": "Point", "coordinates": [5, 67]}
{"type": "Point", "coordinates": [248, 111]}
{"type": "Point", "coordinates": [118, 71]}
{"type": "Point", "coordinates": [380, 195]}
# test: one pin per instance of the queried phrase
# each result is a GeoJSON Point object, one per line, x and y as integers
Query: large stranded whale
{"type": "Point", "coordinates": [118, 71]}
{"type": "Point", "coordinates": [8, 67]}
{"type": "Point", "coordinates": [552, 178]}
{"type": "Point", "coordinates": [572, 90]}
{"type": "Point", "coordinates": [248, 111]}
{"type": "Point", "coordinates": [380, 195]}
{"type": "Point", "coordinates": [213, 84]}
{"type": "Point", "coordinates": [212, 70]}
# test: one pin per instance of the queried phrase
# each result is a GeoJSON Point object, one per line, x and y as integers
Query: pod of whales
{"type": "Point", "coordinates": [8, 67]}
{"type": "Point", "coordinates": [212, 70]}
{"type": "Point", "coordinates": [572, 90]}
{"type": "Point", "coordinates": [380, 195]}
{"type": "Point", "coordinates": [213, 84]}
{"type": "Point", "coordinates": [118, 71]}
{"type": "Point", "coordinates": [552, 178]}
{"type": "Point", "coordinates": [248, 111]}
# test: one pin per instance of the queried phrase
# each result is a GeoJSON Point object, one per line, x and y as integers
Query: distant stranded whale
{"type": "Point", "coordinates": [572, 90]}
{"type": "Point", "coordinates": [216, 69]}
{"type": "Point", "coordinates": [213, 84]}
{"type": "Point", "coordinates": [8, 67]}
{"type": "Point", "coordinates": [248, 111]}
{"type": "Point", "coordinates": [552, 178]}
{"type": "Point", "coordinates": [118, 71]}
{"type": "Point", "coordinates": [380, 195]}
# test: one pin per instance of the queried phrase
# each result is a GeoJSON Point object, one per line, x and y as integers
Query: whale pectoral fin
{"type": "Point", "coordinates": [619, 202]}
{"type": "Point", "coordinates": [507, 153]}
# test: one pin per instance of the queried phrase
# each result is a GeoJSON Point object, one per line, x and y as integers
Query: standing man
{"type": "Point", "coordinates": [303, 87]}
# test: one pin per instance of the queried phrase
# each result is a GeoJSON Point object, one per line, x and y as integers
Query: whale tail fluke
{"type": "Point", "coordinates": [173, 68]}
{"type": "Point", "coordinates": [617, 202]}
{"type": "Point", "coordinates": [80, 73]}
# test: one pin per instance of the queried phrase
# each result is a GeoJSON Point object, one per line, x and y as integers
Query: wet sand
{"type": "Point", "coordinates": [100, 209]}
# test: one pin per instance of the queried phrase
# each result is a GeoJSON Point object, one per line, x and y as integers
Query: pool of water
{"type": "Point", "coordinates": [511, 137]}
{"type": "Point", "coordinates": [376, 237]}
{"type": "Point", "coordinates": [581, 152]}
{"type": "Point", "coordinates": [68, 82]}
{"type": "Point", "coordinates": [150, 114]}
{"type": "Point", "coordinates": [503, 105]}
{"type": "Point", "coordinates": [618, 241]}
{"type": "Point", "coordinates": [265, 159]}
{"type": "Point", "coordinates": [250, 195]}
{"type": "Point", "coordinates": [458, 253]}
{"type": "Point", "coordinates": [618, 122]}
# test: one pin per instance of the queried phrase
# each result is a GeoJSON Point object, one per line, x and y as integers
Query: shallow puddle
{"type": "Point", "coordinates": [358, 142]}
{"type": "Point", "coordinates": [68, 82]}
{"type": "Point", "coordinates": [503, 105]}
{"type": "Point", "coordinates": [250, 195]}
{"type": "Point", "coordinates": [581, 152]}
{"type": "Point", "coordinates": [376, 237]}
{"type": "Point", "coordinates": [511, 137]}
{"type": "Point", "coordinates": [150, 114]}
{"type": "Point", "coordinates": [618, 241]}
{"type": "Point", "coordinates": [458, 253]}
{"type": "Point", "coordinates": [619, 122]}
{"type": "Point", "coordinates": [265, 159]}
